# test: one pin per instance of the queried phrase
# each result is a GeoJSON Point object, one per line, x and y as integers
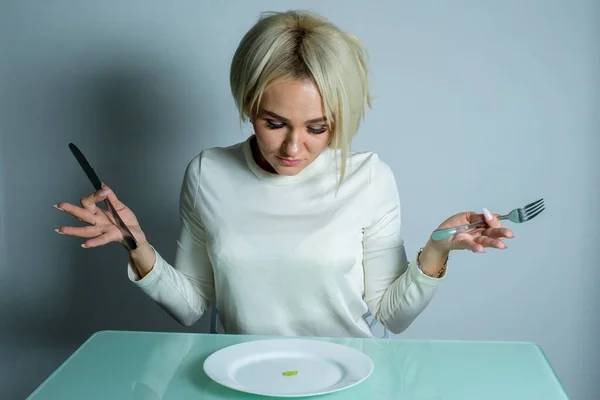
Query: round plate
{"type": "Point", "coordinates": [288, 367]}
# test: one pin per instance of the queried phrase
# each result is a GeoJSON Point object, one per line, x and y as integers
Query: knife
{"type": "Point", "coordinates": [91, 174]}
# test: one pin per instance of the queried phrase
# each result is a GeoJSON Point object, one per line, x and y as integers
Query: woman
{"type": "Point", "coordinates": [294, 233]}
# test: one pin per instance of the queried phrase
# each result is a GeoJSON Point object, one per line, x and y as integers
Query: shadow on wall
{"type": "Point", "coordinates": [135, 118]}
{"type": "Point", "coordinates": [127, 117]}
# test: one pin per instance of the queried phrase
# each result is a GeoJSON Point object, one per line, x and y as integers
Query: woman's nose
{"type": "Point", "coordinates": [291, 145]}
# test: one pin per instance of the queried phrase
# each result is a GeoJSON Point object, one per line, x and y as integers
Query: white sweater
{"type": "Point", "coordinates": [286, 255]}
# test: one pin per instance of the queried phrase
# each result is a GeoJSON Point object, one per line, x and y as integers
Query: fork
{"type": "Point", "coordinates": [518, 215]}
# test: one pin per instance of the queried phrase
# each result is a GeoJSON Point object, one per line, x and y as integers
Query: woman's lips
{"type": "Point", "coordinates": [288, 162]}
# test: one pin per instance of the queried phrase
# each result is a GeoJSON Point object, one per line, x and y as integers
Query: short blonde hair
{"type": "Point", "coordinates": [304, 45]}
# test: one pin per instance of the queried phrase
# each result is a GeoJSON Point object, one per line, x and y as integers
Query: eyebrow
{"type": "Point", "coordinates": [311, 121]}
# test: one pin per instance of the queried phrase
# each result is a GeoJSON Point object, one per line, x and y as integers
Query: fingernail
{"type": "Point", "coordinates": [103, 192]}
{"type": "Point", "coordinates": [57, 207]}
{"type": "Point", "coordinates": [59, 232]}
{"type": "Point", "coordinates": [488, 215]}
{"type": "Point", "coordinates": [84, 246]}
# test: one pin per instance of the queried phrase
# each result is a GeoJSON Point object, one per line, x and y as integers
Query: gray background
{"type": "Point", "coordinates": [477, 104]}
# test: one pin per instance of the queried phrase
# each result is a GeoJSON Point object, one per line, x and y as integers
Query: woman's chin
{"type": "Point", "coordinates": [288, 171]}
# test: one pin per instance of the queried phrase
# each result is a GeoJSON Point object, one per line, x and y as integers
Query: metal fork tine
{"type": "Point", "coordinates": [531, 216]}
{"type": "Point", "coordinates": [535, 203]}
{"type": "Point", "coordinates": [534, 209]}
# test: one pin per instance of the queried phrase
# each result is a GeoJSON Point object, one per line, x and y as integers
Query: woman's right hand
{"type": "Point", "coordinates": [102, 228]}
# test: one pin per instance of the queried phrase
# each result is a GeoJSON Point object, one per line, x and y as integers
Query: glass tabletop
{"type": "Point", "coordinates": [156, 365]}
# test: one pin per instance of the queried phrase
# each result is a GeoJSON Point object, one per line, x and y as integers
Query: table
{"type": "Point", "coordinates": [159, 365]}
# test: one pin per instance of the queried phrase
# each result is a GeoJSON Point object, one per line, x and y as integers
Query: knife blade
{"type": "Point", "coordinates": [93, 177]}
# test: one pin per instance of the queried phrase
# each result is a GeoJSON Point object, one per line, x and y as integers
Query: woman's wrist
{"type": "Point", "coordinates": [143, 258]}
{"type": "Point", "coordinates": [432, 260]}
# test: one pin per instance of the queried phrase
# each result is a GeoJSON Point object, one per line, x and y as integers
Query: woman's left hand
{"type": "Point", "coordinates": [477, 239]}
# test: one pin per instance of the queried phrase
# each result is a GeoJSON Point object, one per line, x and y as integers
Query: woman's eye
{"type": "Point", "coordinates": [272, 125]}
{"type": "Point", "coordinates": [317, 131]}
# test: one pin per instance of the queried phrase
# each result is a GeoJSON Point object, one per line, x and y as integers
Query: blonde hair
{"type": "Point", "coordinates": [304, 45]}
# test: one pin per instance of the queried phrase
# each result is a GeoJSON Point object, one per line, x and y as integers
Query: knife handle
{"type": "Point", "coordinates": [127, 235]}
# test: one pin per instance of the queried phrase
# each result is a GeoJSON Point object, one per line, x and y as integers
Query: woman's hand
{"type": "Point", "coordinates": [476, 240]}
{"type": "Point", "coordinates": [102, 228]}
{"type": "Point", "coordinates": [435, 254]}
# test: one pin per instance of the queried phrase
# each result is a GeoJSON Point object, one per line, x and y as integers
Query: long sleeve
{"type": "Point", "coordinates": [184, 290]}
{"type": "Point", "coordinates": [396, 291]}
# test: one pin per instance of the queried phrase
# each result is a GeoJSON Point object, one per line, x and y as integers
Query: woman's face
{"type": "Point", "coordinates": [290, 127]}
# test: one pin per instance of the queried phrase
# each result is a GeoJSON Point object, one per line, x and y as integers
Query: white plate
{"type": "Point", "coordinates": [259, 367]}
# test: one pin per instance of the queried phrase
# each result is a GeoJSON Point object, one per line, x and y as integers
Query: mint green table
{"type": "Point", "coordinates": [141, 365]}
